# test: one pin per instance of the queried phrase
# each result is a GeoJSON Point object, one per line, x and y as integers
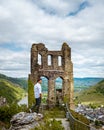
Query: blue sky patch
{"type": "Point", "coordinates": [81, 7]}
{"type": "Point", "coordinates": [11, 46]}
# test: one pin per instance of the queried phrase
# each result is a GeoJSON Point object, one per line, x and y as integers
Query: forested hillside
{"type": "Point", "coordinates": [10, 91]}
{"type": "Point", "coordinates": [13, 89]}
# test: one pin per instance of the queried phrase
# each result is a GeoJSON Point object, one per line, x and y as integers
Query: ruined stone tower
{"type": "Point", "coordinates": [54, 70]}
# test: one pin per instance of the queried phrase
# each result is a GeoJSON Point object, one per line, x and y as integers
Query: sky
{"type": "Point", "coordinates": [79, 23]}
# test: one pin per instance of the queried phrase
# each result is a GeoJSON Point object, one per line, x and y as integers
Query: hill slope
{"type": "Point", "coordinates": [10, 91]}
{"type": "Point", "coordinates": [93, 95]}
{"type": "Point", "coordinates": [22, 82]}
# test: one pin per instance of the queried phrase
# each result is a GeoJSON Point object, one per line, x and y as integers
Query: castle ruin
{"type": "Point", "coordinates": [53, 70]}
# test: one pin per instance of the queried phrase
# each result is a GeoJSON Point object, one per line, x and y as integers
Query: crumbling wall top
{"type": "Point", "coordinates": [40, 47]}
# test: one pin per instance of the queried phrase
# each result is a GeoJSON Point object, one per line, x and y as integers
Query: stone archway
{"type": "Point", "coordinates": [53, 70]}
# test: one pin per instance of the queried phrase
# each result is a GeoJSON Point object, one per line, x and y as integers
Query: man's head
{"type": "Point", "coordinates": [39, 80]}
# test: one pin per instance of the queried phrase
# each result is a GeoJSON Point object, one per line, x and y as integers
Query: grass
{"type": "Point", "coordinates": [56, 112]}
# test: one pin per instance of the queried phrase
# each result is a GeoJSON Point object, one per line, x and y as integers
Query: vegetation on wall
{"type": "Point", "coordinates": [31, 99]}
{"type": "Point", "coordinates": [80, 117]}
{"type": "Point", "coordinates": [78, 122]}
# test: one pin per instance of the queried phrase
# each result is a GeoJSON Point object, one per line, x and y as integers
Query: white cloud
{"type": "Point", "coordinates": [23, 22]}
{"type": "Point", "coordinates": [14, 63]}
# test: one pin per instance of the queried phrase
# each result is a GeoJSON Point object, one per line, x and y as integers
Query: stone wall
{"type": "Point", "coordinates": [53, 70]}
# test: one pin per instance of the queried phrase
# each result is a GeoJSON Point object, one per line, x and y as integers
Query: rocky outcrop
{"type": "Point", "coordinates": [3, 101]}
{"type": "Point", "coordinates": [25, 121]}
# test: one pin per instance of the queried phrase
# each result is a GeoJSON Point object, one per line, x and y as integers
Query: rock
{"type": "Point", "coordinates": [102, 128]}
{"type": "Point", "coordinates": [3, 101]}
{"type": "Point", "coordinates": [25, 121]}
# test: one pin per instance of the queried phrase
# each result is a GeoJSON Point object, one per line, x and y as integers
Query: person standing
{"type": "Point", "coordinates": [38, 95]}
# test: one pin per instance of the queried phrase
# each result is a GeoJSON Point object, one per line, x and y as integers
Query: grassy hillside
{"type": "Point", "coordinates": [10, 91]}
{"type": "Point", "coordinates": [22, 82]}
{"type": "Point", "coordinates": [93, 95]}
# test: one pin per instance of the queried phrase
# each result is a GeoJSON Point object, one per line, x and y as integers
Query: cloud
{"type": "Point", "coordinates": [14, 63]}
{"type": "Point", "coordinates": [23, 22]}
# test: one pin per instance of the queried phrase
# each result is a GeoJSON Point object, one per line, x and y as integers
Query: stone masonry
{"type": "Point", "coordinates": [53, 71]}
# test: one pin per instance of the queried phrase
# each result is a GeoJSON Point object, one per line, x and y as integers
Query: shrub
{"type": "Point", "coordinates": [6, 112]}
{"type": "Point", "coordinates": [93, 106]}
{"type": "Point", "coordinates": [50, 125]}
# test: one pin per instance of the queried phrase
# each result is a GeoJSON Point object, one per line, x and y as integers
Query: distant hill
{"type": "Point", "coordinates": [22, 82]}
{"type": "Point", "coordinates": [92, 95]}
{"type": "Point", "coordinates": [84, 83]}
{"type": "Point", "coordinates": [11, 91]}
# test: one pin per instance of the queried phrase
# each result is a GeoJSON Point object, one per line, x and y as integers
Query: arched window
{"type": "Point", "coordinates": [39, 59]}
{"type": "Point", "coordinates": [58, 83]}
{"type": "Point", "coordinates": [59, 61]}
{"type": "Point", "coordinates": [49, 60]}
